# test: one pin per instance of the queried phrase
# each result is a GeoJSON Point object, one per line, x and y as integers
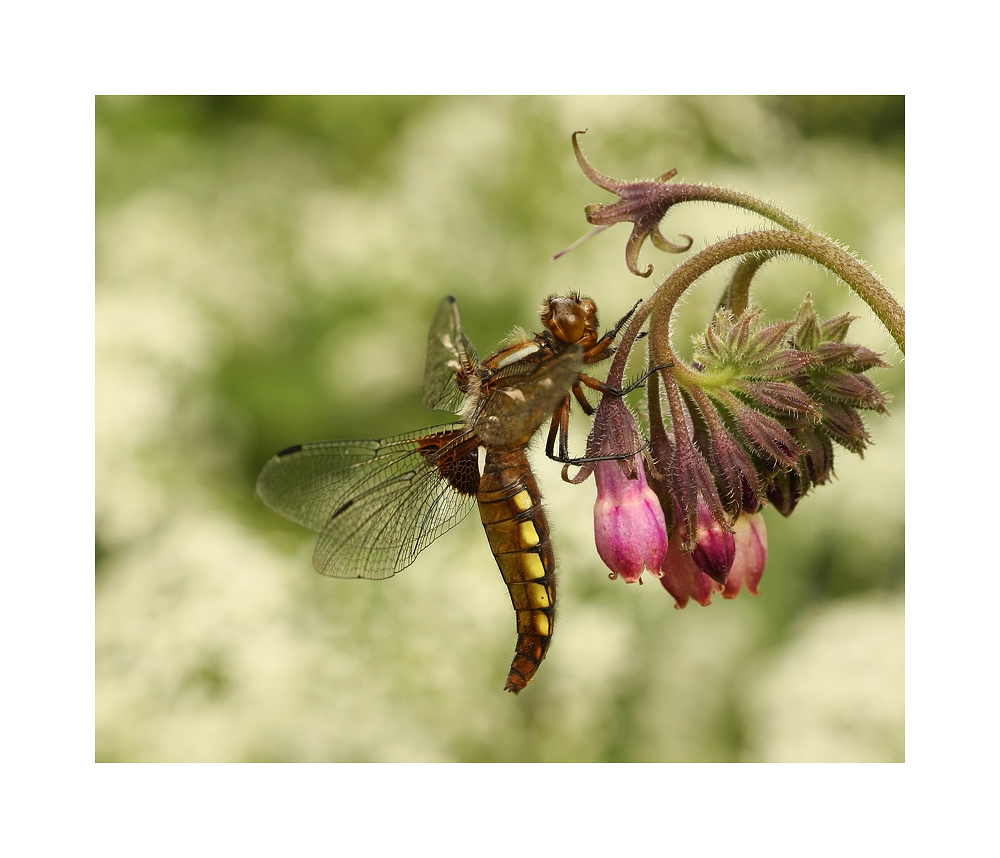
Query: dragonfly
{"type": "Point", "coordinates": [378, 503]}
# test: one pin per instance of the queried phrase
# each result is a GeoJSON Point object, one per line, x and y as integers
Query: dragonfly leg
{"type": "Point", "coordinates": [602, 348]}
{"type": "Point", "coordinates": [588, 409]}
{"type": "Point", "coordinates": [559, 427]}
{"type": "Point", "coordinates": [588, 459]}
{"type": "Point", "coordinates": [608, 389]}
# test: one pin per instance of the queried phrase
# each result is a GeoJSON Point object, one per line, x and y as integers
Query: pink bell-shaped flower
{"type": "Point", "coordinates": [750, 537]}
{"type": "Point", "coordinates": [682, 578]}
{"type": "Point", "coordinates": [629, 527]}
{"type": "Point", "coordinates": [714, 548]}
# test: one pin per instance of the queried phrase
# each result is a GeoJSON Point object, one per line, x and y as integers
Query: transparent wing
{"type": "Point", "coordinates": [377, 504]}
{"type": "Point", "coordinates": [450, 356]}
{"type": "Point", "coordinates": [522, 396]}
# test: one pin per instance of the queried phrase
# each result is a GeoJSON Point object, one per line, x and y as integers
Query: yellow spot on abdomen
{"type": "Point", "coordinates": [522, 501]}
{"type": "Point", "coordinates": [541, 623]}
{"type": "Point", "coordinates": [529, 536]}
{"type": "Point", "coordinates": [538, 596]}
{"type": "Point", "coordinates": [532, 565]}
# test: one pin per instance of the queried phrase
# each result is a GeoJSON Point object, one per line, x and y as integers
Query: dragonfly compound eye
{"type": "Point", "coordinates": [565, 318]}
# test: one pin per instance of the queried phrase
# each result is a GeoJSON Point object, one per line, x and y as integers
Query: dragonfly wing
{"type": "Point", "coordinates": [377, 504]}
{"type": "Point", "coordinates": [450, 357]}
{"type": "Point", "coordinates": [523, 395]}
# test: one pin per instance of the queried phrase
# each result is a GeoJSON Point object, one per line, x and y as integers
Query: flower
{"type": "Point", "coordinates": [781, 396]}
{"type": "Point", "coordinates": [714, 546]}
{"type": "Point", "coordinates": [682, 578]}
{"type": "Point", "coordinates": [750, 536]}
{"type": "Point", "coordinates": [687, 489]}
{"type": "Point", "coordinates": [643, 204]}
{"type": "Point", "coordinates": [629, 528]}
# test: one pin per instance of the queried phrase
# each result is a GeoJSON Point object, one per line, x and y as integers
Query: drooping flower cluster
{"type": "Point", "coordinates": [753, 419]}
{"type": "Point", "coordinates": [755, 422]}
{"type": "Point", "coordinates": [634, 504]}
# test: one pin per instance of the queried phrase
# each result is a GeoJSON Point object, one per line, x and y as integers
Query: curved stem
{"type": "Point", "coordinates": [740, 199]}
{"type": "Point", "coordinates": [868, 287]}
{"type": "Point", "coordinates": [736, 298]}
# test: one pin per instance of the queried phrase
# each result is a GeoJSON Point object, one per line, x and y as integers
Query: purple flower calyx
{"type": "Point", "coordinates": [643, 204]}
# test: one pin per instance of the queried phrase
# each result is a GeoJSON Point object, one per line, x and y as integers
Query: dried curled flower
{"type": "Point", "coordinates": [643, 204]}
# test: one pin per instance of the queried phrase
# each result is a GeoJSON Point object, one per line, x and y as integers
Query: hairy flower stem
{"type": "Point", "coordinates": [670, 194]}
{"type": "Point", "coordinates": [773, 242]}
{"type": "Point", "coordinates": [736, 298]}
{"type": "Point", "coordinates": [740, 199]}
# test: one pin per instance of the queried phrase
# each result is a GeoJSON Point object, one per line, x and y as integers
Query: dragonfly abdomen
{"type": "Point", "coordinates": [518, 532]}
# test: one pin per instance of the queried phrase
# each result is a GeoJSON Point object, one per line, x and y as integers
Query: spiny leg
{"type": "Point", "coordinates": [588, 459]}
{"type": "Point", "coordinates": [560, 426]}
{"type": "Point", "coordinates": [602, 387]}
{"type": "Point", "coordinates": [597, 351]}
{"type": "Point", "coordinates": [588, 409]}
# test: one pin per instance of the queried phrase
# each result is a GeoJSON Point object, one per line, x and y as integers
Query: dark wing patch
{"type": "Point", "coordinates": [377, 504]}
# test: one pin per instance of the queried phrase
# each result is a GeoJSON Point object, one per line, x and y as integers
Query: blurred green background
{"type": "Point", "coordinates": [266, 270]}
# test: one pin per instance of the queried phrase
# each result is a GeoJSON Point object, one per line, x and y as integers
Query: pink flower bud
{"type": "Point", "coordinates": [629, 528]}
{"type": "Point", "coordinates": [750, 536]}
{"type": "Point", "coordinates": [714, 547]}
{"type": "Point", "coordinates": [683, 579]}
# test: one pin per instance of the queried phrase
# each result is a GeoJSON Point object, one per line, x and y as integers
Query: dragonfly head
{"type": "Point", "coordinates": [571, 319]}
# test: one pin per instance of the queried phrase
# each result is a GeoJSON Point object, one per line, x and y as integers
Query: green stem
{"type": "Point", "coordinates": [736, 297]}
{"type": "Point", "coordinates": [740, 199]}
{"type": "Point", "coordinates": [811, 245]}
